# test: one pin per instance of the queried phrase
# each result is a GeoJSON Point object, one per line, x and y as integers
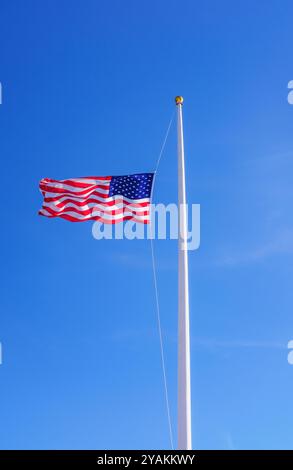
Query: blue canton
{"type": "Point", "coordinates": [132, 186]}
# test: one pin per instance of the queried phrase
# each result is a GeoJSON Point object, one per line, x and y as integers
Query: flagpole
{"type": "Point", "coordinates": [184, 394]}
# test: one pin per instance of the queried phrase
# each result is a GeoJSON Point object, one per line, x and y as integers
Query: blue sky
{"type": "Point", "coordinates": [88, 88]}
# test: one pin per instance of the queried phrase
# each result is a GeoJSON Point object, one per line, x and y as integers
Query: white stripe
{"type": "Point", "coordinates": [81, 198]}
{"type": "Point", "coordinates": [97, 214]}
{"type": "Point", "coordinates": [49, 188]}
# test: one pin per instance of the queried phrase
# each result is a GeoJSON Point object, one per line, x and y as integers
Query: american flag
{"type": "Point", "coordinates": [109, 199]}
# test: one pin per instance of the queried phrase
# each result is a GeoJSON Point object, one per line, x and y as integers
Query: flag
{"type": "Point", "coordinates": [109, 199]}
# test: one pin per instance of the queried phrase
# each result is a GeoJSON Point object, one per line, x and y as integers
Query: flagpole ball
{"type": "Point", "coordinates": [179, 100]}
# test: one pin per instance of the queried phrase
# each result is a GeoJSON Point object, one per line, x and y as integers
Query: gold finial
{"type": "Point", "coordinates": [179, 100]}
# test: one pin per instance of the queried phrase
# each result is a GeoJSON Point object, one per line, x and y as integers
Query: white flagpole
{"type": "Point", "coordinates": [184, 398]}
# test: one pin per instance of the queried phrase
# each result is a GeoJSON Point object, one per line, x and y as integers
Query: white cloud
{"type": "Point", "coordinates": [281, 244]}
{"type": "Point", "coordinates": [212, 343]}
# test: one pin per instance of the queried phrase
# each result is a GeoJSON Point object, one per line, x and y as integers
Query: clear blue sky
{"type": "Point", "coordinates": [88, 88]}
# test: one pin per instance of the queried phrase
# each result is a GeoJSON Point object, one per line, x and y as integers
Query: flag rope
{"type": "Point", "coordinates": [157, 295]}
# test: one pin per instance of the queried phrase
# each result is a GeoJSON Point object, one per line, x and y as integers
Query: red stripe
{"type": "Point", "coordinates": [87, 201]}
{"type": "Point", "coordinates": [76, 195]}
{"type": "Point", "coordinates": [90, 211]}
{"type": "Point", "coordinates": [74, 184]}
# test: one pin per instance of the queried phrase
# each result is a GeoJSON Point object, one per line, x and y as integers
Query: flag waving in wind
{"type": "Point", "coordinates": [109, 199]}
